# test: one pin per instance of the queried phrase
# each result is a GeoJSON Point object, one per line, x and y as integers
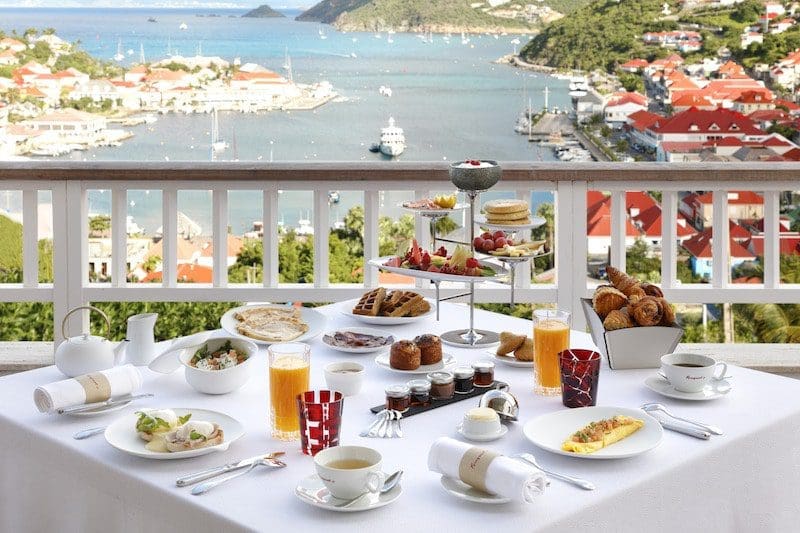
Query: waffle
{"type": "Point", "coordinates": [370, 302]}
{"type": "Point", "coordinates": [404, 304]}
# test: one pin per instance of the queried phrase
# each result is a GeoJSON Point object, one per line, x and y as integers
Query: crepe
{"type": "Point", "coordinates": [271, 324]}
{"type": "Point", "coordinates": [602, 433]}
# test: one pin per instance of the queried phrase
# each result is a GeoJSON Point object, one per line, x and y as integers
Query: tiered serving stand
{"type": "Point", "coordinates": [472, 181]}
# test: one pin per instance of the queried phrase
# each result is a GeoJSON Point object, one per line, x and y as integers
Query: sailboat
{"type": "Point", "coordinates": [183, 26]}
{"type": "Point", "coordinates": [286, 60]}
{"type": "Point", "coordinates": [217, 144]}
{"type": "Point", "coordinates": [464, 38]}
{"type": "Point", "coordinates": [119, 56]}
{"type": "Point", "coordinates": [322, 34]}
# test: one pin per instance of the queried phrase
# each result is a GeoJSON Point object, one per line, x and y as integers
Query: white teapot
{"type": "Point", "coordinates": [87, 353]}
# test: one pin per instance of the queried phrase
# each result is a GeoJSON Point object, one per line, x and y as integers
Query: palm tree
{"type": "Point", "coordinates": [778, 323]}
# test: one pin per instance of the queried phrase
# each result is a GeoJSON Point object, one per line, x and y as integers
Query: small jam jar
{"type": "Point", "coordinates": [442, 385]}
{"type": "Point", "coordinates": [484, 373]}
{"type": "Point", "coordinates": [420, 391]}
{"type": "Point", "coordinates": [463, 376]}
{"type": "Point", "coordinates": [398, 397]}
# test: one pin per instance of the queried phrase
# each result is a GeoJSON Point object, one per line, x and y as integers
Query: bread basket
{"type": "Point", "coordinates": [638, 347]}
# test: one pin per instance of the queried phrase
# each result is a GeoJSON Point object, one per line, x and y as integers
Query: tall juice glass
{"type": "Point", "coordinates": [550, 337]}
{"type": "Point", "coordinates": [289, 365]}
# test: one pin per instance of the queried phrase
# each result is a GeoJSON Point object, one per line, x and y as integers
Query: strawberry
{"type": "Point", "coordinates": [433, 268]}
{"type": "Point", "coordinates": [472, 263]}
{"type": "Point", "coordinates": [416, 256]}
{"type": "Point", "coordinates": [474, 162]}
{"type": "Point", "coordinates": [441, 252]}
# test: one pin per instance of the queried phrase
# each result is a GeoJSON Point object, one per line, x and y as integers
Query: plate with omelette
{"type": "Point", "coordinates": [599, 432]}
{"type": "Point", "coordinates": [268, 324]}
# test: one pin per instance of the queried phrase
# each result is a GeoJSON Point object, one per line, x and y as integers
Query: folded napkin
{"type": "Point", "coordinates": [88, 388]}
{"type": "Point", "coordinates": [486, 470]}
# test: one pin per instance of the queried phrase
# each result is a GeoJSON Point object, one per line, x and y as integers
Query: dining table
{"type": "Point", "coordinates": [747, 479]}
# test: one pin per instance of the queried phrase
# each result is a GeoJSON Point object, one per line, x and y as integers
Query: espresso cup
{"type": "Point", "coordinates": [480, 422]}
{"type": "Point", "coordinates": [346, 377]}
{"type": "Point", "coordinates": [691, 372]}
{"type": "Point", "coordinates": [350, 471]}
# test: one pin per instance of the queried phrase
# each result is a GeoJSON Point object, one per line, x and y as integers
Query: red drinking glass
{"type": "Point", "coordinates": [320, 415]}
{"type": "Point", "coordinates": [580, 370]}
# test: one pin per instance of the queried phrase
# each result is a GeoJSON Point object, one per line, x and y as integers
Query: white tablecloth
{"type": "Point", "coordinates": [746, 480]}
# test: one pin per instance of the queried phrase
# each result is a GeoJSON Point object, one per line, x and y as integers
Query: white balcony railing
{"type": "Point", "coordinates": [69, 183]}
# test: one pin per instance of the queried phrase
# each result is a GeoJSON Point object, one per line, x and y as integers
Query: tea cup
{"type": "Point", "coordinates": [350, 471]}
{"type": "Point", "coordinates": [689, 372]}
{"type": "Point", "coordinates": [347, 377]}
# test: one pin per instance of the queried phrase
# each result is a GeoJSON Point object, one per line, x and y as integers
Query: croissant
{"type": "Point", "coordinates": [607, 299]}
{"type": "Point", "coordinates": [628, 285]}
{"type": "Point", "coordinates": [618, 319]}
{"type": "Point", "coordinates": [509, 342]}
{"type": "Point", "coordinates": [669, 313]}
{"type": "Point", "coordinates": [652, 290]}
{"type": "Point", "coordinates": [647, 311]}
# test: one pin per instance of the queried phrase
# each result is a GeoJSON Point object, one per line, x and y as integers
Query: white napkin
{"type": "Point", "coordinates": [504, 477]}
{"type": "Point", "coordinates": [123, 380]}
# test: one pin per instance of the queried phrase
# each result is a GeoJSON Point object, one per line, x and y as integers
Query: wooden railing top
{"type": "Point", "coordinates": [434, 171]}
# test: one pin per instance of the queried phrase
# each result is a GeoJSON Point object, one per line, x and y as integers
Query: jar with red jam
{"type": "Point", "coordinates": [484, 373]}
{"type": "Point", "coordinates": [398, 398]}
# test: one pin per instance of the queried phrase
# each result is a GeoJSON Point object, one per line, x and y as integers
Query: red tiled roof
{"type": "Point", "coordinates": [768, 115]}
{"type": "Point", "coordinates": [755, 97]}
{"type": "Point", "coordinates": [692, 100]}
{"type": "Point", "coordinates": [793, 154]}
{"type": "Point", "coordinates": [649, 221]}
{"type": "Point", "coordinates": [701, 121]}
{"type": "Point", "coordinates": [734, 197]}
{"type": "Point", "coordinates": [253, 76]}
{"type": "Point", "coordinates": [748, 279]}
{"type": "Point", "coordinates": [788, 244]}
{"type": "Point", "coordinates": [682, 146]}
{"type": "Point", "coordinates": [186, 273]}
{"type": "Point", "coordinates": [791, 106]}
{"type": "Point", "coordinates": [635, 63]}
{"type": "Point", "coordinates": [641, 120]}
{"type": "Point", "coordinates": [234, 247]}
{"type": "Point", "coordinates": [598, 220]}
{"type": "Point", "coordinates": [622, 98]}
{"type": "Point", "coordinates": [701, 246]}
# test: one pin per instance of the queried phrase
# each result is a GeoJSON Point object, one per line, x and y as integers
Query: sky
{"type": "Point", "coordinates": [218, 4]}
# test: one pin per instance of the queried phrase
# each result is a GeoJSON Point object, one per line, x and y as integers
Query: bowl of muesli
{"type": "Point", "coordinates": [219, 365]}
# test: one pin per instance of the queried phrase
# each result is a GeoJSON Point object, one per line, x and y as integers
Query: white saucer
{"type": "Point", "coordinates": [313, 491]}
{"type": "Point", "coordinates": [717, 389]}
{"type": "Point", "coordinates": [482, 438]}
{"type": "Point", "coordinates": [461, 490]}
{"type": "Point", "coordinates": [509, 360]}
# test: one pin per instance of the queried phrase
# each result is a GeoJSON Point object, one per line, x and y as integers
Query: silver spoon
{"type": "Point", "coordinates": [86, 433]}
{"type": "Point", "coordinates": [582, 483]}
{"type": "Point", "coordinates": [390, 483]}
{"type": "Point", "coordinates": [379, 417]}
{"type": "Point", "coordinates": [661, 407]}
{"type": "Point", "coordinates": [202, 488]}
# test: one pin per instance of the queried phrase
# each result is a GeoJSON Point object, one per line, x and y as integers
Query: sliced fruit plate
{"type": "Point", "coordinates": [488, 271]}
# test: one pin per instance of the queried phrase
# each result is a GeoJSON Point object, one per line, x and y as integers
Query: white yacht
{"type": "Point", "coordinates": [183, 26]}
{"type": "Point", "coordinates": [386, 91]}
{"type": "Point", "coordinates": [217, 144]}
{"type": "Point", "coordinates": [578, 86]}
{"type": "Point", "coordinates": [119, 56]}
{"type": "Point", "coordinates": [393, 140]}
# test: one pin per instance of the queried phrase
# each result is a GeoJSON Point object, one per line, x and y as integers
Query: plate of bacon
{"type": "Point", "coordinates": [358, 340]}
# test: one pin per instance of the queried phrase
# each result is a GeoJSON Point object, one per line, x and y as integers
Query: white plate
{"type": "Point", "coordinates": [482, 438]}
{"type": "Point", "coordinates": [434, 212]}
{"type": "Point", "coordinates": [313, 491]}
{"type": "Point", "coordinates": [316, 323]}
{"type": "Point", "coordinates": [534, 223]}
{"type": "Point", "coordinates": [461, 490]}
{"type": "Point", "coordinates": [347, 310]}
{"type": "Point", "coordinates": [499, 271]}
{"type": "Point", "coordinates": [551, 430]}
{"type": "Point", "coordinates": [447, 361]}
{"type": "Point", "coordinates": [710, 392]}
{"type": "Point", "coordinates": [509, 360]}
{"type": "Point", "coordinates": [101, 410]}
{"type": "Point", "coordinates": [365, 331]}
{"type": "Point", "coordinates": [121, 434]}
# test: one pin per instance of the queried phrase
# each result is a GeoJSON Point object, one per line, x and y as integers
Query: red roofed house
{"type": "Point", "coordinates": [186, 273]}
{"type": "Point", "coordinates": [136, 74]}
{"type": "Point", "coordinates": [742, 205]}
{"type": "Point", "coordinates": [731, 69]}
{"type": "Point", "coordinates": [637, 125]}
{"type": "Point", "coordinates": [164, 79]}
{"type": "Point", "coordinates": [7, 43]}
{"type": "Point", "coordinates": [634, 65]}
{"type": "Point", "coordinates": [792, 108]}
{"type": "Point", "coordinates": [8, 57]}
{"type": "Point", "coordinates": [598, 224]}
{"type": "Point", "coordinates": [750, 101]}
{"type": "Point", "coordinates": [700, 249]}
{"type": "Point", "coordinates": [688, 100]}
{"type": "Point", "coordinates": [788, 244]}
{"type": "Point", "coordinates": [621, 105]}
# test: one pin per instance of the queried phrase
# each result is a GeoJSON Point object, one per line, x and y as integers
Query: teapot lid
{"type": "Point", "coordinates": [84, 339]}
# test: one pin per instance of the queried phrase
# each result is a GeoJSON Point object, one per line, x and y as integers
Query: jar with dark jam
{"type": "Point", "coordinates": [420, 391]}
{"type": "Point", "coordinates": [398, 397]}
{"type": "Point", "coordinates": [463, 376]}
{"type": "Point", "coordinates": [442, 385]}
{"type": "Point", "coordinates": [484, 373]}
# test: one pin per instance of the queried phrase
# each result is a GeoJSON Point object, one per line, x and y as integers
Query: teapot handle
{"type": "Point", "coordinates": [90, 308]}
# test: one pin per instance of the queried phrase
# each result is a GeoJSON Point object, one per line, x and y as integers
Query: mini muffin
{"type": "Point", "coordinates": [405, 355]}
{"type": "Point", "coordinates": [430, 347]}
{"type": "Point", "coordinates": [525, 350]}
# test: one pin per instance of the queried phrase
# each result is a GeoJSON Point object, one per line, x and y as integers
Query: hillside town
{"type": "Point", "coordinates": [47, 110]}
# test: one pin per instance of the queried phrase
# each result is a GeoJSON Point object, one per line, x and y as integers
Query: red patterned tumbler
{"type": "Point", "coordinates": [320, 415]}
{"type": "Point", "coordinates": [580, 370]}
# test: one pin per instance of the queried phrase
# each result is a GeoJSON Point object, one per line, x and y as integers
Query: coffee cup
{"type": "Point", "coordinates": [691, 372]}
{"type": "Point", "coordinates": [480, 422]}
{"type": "Point", "coordinates": [345, 376]}
{"type": "Point", "coordinates": [350, 471]}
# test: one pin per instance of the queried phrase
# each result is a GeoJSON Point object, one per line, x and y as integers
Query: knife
{"type": "Point", "coordinates": [679, 428]}
{"type": "Point", "coordinates": [107, 403]}
{"type": "Point", "coordinates": [196, 477]}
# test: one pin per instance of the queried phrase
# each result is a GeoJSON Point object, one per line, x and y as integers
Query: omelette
{"type": "Point", "coordinates": [602, 433]}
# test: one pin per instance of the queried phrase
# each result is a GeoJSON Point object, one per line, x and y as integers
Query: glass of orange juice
{"type": "Point", "coordinates": [550, 337]}
{"type": "Point", "coordinates": [289, 365]}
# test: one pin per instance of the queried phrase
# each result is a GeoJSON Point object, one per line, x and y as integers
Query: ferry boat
{"type": "Point", "coordinates": [393, 140]}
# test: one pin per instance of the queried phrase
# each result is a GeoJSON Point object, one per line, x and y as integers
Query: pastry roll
{"type": "Point", "coordinates": [618, 319]}
{"type": "Point", "coordinates": [647, 311]}
{"type": "Point", "coordinates": [608, 299]}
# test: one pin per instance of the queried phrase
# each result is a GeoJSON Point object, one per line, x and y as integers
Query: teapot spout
{"type": "Point", "coordinates": [119, 351]}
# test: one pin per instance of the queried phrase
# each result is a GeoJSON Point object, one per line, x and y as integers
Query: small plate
{"type": "Point", "coordinates": [447, 361]}
{"type": "Point", "coordinates": [316, 323]}
{"type": "Point", "coordinates": [121, 434]}
{"type": "Point", "coordinates": [461, 490]}
{"type": "Point", "coordinates": [347, 310]}
{"type": "Point", "coordinates": [97, 411]}
{"type": "Point", "coordinates": [660, 385]}
{"type": "Point", "coordinates": [313, 491]}
{"type": "Point", "coordinates": [549, 431]}
{"type": "Point", "coordinates": [482, 438]}
{"type": "Point", "coordinates": [534, 223]}
{"type": "Point", "coordinates": [365, 331]}
{"type": "Point", "coordinates": [434, 212]}
{"type": "Point", "coordinates": [498, 272]}
{"type": "Point", "coordinates": [509, 360]}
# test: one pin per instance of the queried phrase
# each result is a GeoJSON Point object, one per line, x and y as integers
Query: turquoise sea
{"type": "Point", "coordinates": [450, 98]}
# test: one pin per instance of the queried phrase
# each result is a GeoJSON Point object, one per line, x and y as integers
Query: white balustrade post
{"type": "Point", "coordinates": [371, 229]}
{"type": "Point", "coordinates": [772, 259]}
{"type": "Point", "coordinates": [269, 257]}
{"type": "Point", "coordinates": [619, 227]}
{"type": "Point", "coordinates": [577, 267]}
{"type": "Point", "coordinates": [669, 238]}
{"type": "Point", "coordinates": [321, 239]}
{"type": "Point", "coordinates": [219, 222]}
{"type": "Point", "coordinates": [30, 238]}
{"type": "Point", "coordinates": [720, 243]}
{"type": "Point", "coordinates": [119, 235]}
{"type": "Point", "coordinates": [70, 257]}
{"type": "Point", "coordinates": [169, 238]}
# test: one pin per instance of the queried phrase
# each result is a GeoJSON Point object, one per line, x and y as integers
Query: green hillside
{"type": "Point", "coordinates": [601, 34]}
{"type": "Point", "coordinates": [10, 247]}
{"type": "Point", "coordinates": [263, 12]}
{"type": "Point", "coordinates": [328, 10]}
{"type": "Point", "coordinates": [565, 6]}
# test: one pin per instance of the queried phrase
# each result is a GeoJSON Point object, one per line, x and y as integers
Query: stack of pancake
{"type": "Point", "coordinates": [507, 212]}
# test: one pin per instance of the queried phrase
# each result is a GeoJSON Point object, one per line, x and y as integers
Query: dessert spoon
{"type": "Point", "coordinates": [582, 483]}
{"type": "Point", "coordinates": [661, 407]}
{"type": "Point", "coordinates": [390, 483]}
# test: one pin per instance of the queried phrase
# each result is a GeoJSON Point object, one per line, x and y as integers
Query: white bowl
{"type": "Point", "coordinates": [348, 382]}
{"type": "Point", "coordinates": [220, 381]}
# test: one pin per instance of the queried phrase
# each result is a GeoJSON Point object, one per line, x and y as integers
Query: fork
{"type": "Point", "coordinates": [202, 488]}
